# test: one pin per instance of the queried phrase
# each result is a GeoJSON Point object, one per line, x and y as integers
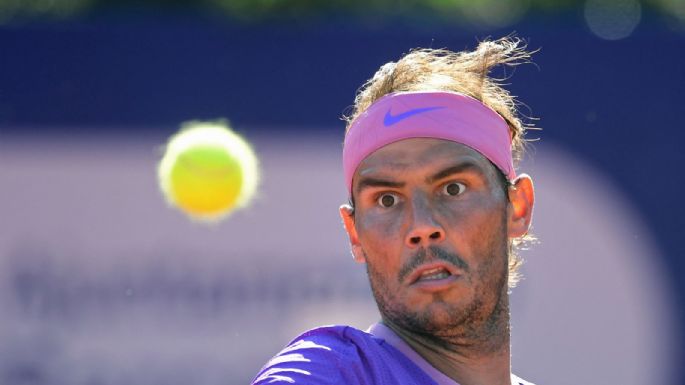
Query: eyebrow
{"type": "Point", "coordinates": [452, 170]}
{"type": "Point", "coordinates": [456, 169]}
{"type": "Point", "coordinates": [375, 182]}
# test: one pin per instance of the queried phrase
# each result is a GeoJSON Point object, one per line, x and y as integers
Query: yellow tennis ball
{"type": "Point", "coordinates": [208, 170]}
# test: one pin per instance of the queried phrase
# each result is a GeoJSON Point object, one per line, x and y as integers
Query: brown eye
{"type": "Point", "coordinates": [454, 188]}
{"type": "Point", "coordinates": [387, 200]}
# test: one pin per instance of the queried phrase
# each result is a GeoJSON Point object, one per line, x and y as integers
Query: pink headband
{"type": "Point", "coordinates": [434, 114]}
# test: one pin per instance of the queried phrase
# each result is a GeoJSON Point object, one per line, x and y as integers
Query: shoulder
{"type": "Point", "coordinates": [516, 380]}
{"type": "Point", "coordinates": [325, 355]}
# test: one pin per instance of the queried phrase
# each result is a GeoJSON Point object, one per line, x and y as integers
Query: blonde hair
{"type": "Point", "coordinates": [466, 72]}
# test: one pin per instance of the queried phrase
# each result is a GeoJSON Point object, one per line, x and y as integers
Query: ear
{"type": "Point", "coordinates": [347, 215]}
{"type": "Point", "coordinates": [521, 200]}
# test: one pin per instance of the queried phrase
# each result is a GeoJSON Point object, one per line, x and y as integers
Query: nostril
{"type": "Point", "coordinates": [415, 240]}
{"type": "Point", "coordinates": [435, 235]}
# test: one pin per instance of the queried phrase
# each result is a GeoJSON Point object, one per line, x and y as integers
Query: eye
{"type": "Point", "coordinates": [387, 200]}
{"type": "Point", "coordinates": [454, 188]}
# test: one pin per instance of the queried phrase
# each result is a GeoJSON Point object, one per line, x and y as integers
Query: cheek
{"type": "Point", "coordinates": [478, 225]}
{"type": "Point", "coordinates": [380, 240]}
{"type": "Point", "coordinates": [465, 214]}
{"type": "Point", "coordinates": [378, 230]}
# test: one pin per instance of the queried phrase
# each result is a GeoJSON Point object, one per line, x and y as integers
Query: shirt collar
{"type": "Point", "coordinates": [385, 333]}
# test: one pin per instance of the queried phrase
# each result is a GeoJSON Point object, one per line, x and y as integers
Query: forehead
{"type": "Point", "coordinates": [418, 155]}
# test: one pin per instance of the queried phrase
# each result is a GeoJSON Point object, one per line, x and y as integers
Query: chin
{"type": "Point", "coordinates": [432, 319]}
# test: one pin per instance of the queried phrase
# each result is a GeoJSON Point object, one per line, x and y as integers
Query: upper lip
{"type": "Point", "coordinates": [416, 274]}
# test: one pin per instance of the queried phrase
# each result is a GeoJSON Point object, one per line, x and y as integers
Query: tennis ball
{"type": "Point", "coordinates": [208, 170]}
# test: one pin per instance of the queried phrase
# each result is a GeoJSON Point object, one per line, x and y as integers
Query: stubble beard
{"type": "Point", "coordinates": [481, 326]}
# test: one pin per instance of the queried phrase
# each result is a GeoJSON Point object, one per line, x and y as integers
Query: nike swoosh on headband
{"type": "Point", "coordinates": [389, 119]}
{"type": "Point", "coordinates": [454, 116]}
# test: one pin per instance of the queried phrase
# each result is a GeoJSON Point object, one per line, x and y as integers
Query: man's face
{"type": "Point", "coordinates": [430, 221]}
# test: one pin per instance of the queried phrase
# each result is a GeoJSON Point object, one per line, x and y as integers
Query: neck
{"type": "Point", "coordinates": [479, 356]}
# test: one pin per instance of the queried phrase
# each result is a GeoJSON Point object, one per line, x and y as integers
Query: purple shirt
{"type": "Point", "coordinates": [344, 355]}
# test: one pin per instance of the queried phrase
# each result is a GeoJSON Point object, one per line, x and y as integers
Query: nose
{"type": "Point", "coordinates": [424, 229]}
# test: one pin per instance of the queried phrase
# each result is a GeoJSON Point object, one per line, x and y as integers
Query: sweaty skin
{"type": "Point", "coordinates": [432, 222]}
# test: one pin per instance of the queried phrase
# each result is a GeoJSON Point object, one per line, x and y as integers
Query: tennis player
{"type": "Point", "coordinates": [436, 211]}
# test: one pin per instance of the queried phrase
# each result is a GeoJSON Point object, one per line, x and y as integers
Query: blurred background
{"type": "Point", "coordinates": [102, 283]}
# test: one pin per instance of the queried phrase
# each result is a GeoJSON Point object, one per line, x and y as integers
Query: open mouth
{"type": "Point", "coordinates": [434, 274]}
